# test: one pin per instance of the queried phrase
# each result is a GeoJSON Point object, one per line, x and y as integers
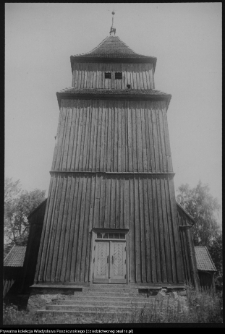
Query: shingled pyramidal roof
{"type": "Point", "coordinates": [112, 47]}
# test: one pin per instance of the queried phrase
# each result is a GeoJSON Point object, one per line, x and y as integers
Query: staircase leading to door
{"type": "Point", "coordinates": [100, 303]}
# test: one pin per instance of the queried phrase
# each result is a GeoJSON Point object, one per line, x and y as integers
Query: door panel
{"type": "Point", "coordinates": [101, 272]}
{"type": "Point", "coordinates": [110, 262]}
{"type": "Point", "coordinates": [118, 262]}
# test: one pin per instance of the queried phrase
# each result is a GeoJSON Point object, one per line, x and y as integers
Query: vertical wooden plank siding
{"type": "Point", "coordinates": [142, 231]}
{"type": "Point", "coordinates": [147, 235]}
{"type": "Point", "coordinates": [166, 233]}
{"type": "Point", "coordinates": [67, 249]}
{"type": "Point", "coordinates": [126, 221]}
{"type": "Point", "coordinates": [152, 244]}
{"type": "Point", "coordinates": [187, 246]}
{"type": "Point", "coordinates": [140, 76]}
{"type": "Point", "coordinates": [63, 241]}
{"type": "Point", "coordinates": [131, 232]}
{"type": "Point", "coordinates": [36, 220]}
{"type": "Point", "coordinates": [179, 262]}
{"type": "Point", "coordinates": [156, 230]}
{"type": "Point", "coordinates": [57, 142]}
{"type": "Point", "coordinates": [45, 231]}
{"type": "Point", "coordinates": [59, 226]}
{"type": "Point", "coordinates": [48, 254]}
{"type": "Point", "coordinates": [161, 231]}
{"type": "Point", "coordinates": [75, 230]}
{"type": "Point", "coordinates": [80, 233]}
{"type": "Point", "coordinates": [170, 228]}
{"type": "Point", "coordinates": [102, 202]}
{"type": "Point", "coordinates": [134, 203]}
{"type": "Point", "coordinates": [137, 232]}
{"type": "Point", "coordinates": [114, 136]}
{"type": "Point", "coordinates": [119, 204]}
{"type": "Point", "coordinates": [72, 229]}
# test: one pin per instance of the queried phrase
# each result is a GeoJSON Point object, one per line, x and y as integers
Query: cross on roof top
{"type": "Point", "coordinates": [112, 30]}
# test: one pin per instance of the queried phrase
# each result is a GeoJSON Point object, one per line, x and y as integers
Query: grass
{"type": "Point", "coordinates": [203, 306]}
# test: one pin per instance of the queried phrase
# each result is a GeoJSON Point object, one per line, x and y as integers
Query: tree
{"type": "Point", "coordinates": [203, 208]}
{"type": "Point", "coordinates": [18, 204]}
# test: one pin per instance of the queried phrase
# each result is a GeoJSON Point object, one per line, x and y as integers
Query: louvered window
{"type": "Point", "coordinates": [110, 235]}
{"type": "Point", "coordinates": [118, 75]}
{"type": "Point", "coordinates": [107, 75]}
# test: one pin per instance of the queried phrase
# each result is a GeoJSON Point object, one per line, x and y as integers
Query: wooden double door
{"type": "Point", "coordinates": [110, 261]}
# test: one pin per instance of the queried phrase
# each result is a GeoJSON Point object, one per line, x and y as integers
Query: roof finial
{"type": "Point", "coordinates": [112, 30]}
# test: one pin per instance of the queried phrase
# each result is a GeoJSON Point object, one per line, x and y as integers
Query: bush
{"type": "Point", "coordinates": [12, 316]}
{"type": "Point", "coordinates": [205, 306]}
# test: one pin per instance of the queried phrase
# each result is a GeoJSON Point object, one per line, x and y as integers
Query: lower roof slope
{"type": "Point", "coordinates": [113, 93]}
{"type": "Point", "coordinates": [204, 260]}
{"type": "Point", "coordinates": [15, 257]}
{"type": "Point", "coordinates": [128, 91]}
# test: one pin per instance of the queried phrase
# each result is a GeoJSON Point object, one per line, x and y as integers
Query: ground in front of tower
{"type": "Point", "coordinates": [106, 305]}
{"type": "Point", "coordinates": [89, 307]}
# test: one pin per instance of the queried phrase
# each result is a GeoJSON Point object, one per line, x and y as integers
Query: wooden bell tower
{"type": "Point", "coordinates": [111, 214]}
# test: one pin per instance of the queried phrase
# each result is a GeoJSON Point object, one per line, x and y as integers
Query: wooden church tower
{"type": "Point", "coordinates": [111, 214]}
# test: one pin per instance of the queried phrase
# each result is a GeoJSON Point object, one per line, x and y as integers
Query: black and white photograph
{"type": "Point", "coordinates": [113, 165]}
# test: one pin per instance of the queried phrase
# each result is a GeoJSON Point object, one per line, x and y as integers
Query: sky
{"type": "Point", "coordinates": [186, 39]}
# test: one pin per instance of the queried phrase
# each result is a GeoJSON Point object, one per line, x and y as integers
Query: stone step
{"type": "Point", "coordinates": [120, 287]}
{"type": "Point", "coordinates": [100, 302]}
{"type": "Point", "coordinates": [96, 308]}
{"type": "Point", "coordinates": [85, 314]}
{"type": "Point", "coordinates": [111, 286]}
{"type": "Point", "coordinates": [110, 292]}
{"type": "Point", "coordinates": [107, 292]}
{"type": "Point", "coordinates": [108, 288]}
{"type": "Point", "coordinates": [107, 298]}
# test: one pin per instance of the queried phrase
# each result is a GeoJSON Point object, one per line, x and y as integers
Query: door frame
{"type": "Point", "coordinates": [94, 237]}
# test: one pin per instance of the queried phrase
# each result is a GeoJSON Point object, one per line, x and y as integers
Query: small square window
{"type": "Point", "coordinates": [118, 75]}
{"type": "Point", "coordinates": [107, 75]}
{"type": "Point", "coordinates": [99, 235]}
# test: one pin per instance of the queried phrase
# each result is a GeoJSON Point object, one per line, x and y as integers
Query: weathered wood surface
{"type": "Point", "coordinates": [8, 282]}
{"type": "Point", "coordinates": [139, 76]}
{"type": "Point", "coordinates": [12, 279]}
{"type": "Point", "coordinates": [36, 219]}
{"type": "Point", "coordinates": [187, 247]}
{"type": "Point", "coordinates": [86, 201]}
{"type": "Point", "coordinates": [112, 136]}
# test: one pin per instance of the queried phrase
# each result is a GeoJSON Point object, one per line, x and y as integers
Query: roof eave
{"type": "Point", "coordinates": [91, 59]}
{"type": "Point", "coordinates": [206, 270]}
{"type": "Point", "coordinates": [16, 266]}
{"type": "Point", "coordinates": [38, 207]}
{"type": "Point", "coordinates": [189, 216]}
{"type": "Point", "coordinates": [140, 96]}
